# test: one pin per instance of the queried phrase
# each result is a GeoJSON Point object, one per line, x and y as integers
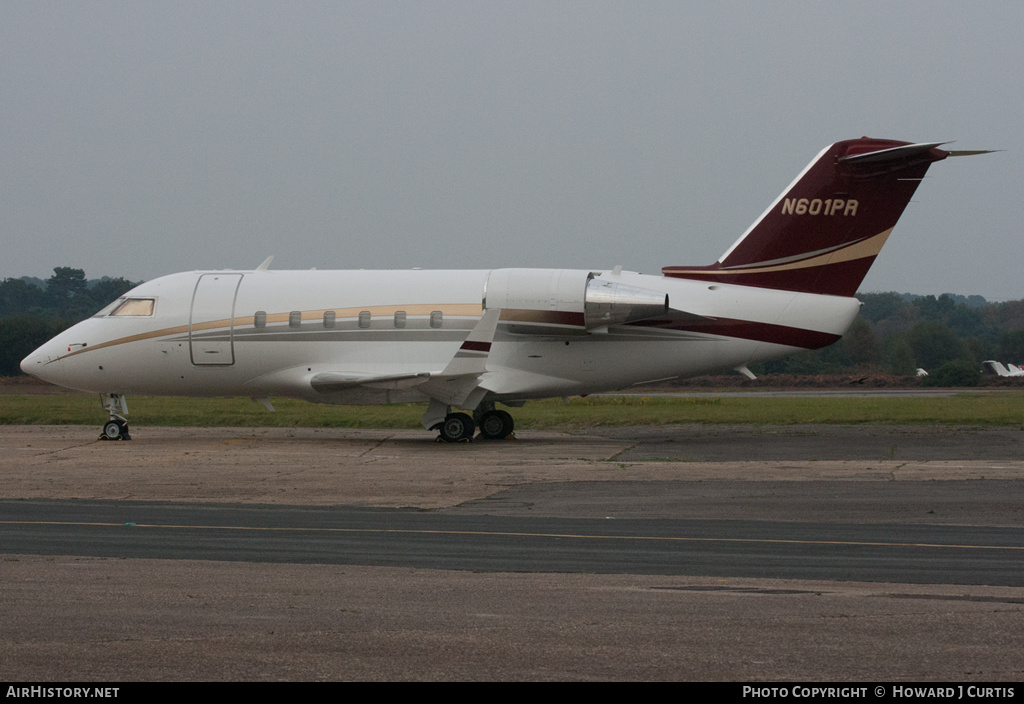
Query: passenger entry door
{"type": "Point", "coordinates": [212, 319]}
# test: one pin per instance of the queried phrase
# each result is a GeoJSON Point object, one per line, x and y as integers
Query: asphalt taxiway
{"type": "Point", "coordinates": [687, 552]}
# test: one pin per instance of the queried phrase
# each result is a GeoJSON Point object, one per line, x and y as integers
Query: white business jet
{"type": "Point", "coordinates": [993, 367]}
{"type": "Point", "coordinates": [472, 339]}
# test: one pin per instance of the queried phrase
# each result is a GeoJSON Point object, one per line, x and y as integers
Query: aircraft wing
{"type": "Point", "coordinates": [331, 382]}
{"type": "Point", "coordinates": [453, 385]}
{"type": "Point", "coordinates": [459, 383]}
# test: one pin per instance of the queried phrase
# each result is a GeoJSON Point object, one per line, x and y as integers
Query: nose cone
{"type": "Point", "coordinates": [44, 364]}
{"type": "Point", "coordinates": [28, 364]}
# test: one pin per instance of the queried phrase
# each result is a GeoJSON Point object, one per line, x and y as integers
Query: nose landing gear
{"type": "Point", "coordinates": [115, 430]}
{"type": "Point", "coordinates": [117, 427]}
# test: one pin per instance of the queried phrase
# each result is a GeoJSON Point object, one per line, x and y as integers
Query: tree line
{"type": "Point", "coordinates": [948, 336]}
{"type": "Point", "coordinates": [894, 333]}
{"type": "Point", "coordinates": [33, 311]}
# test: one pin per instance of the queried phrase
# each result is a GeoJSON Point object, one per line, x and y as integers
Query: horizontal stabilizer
{"type": "Point", "coordinates": [900, 154]}
{"type": "Point", "coordinates": [973, 152]}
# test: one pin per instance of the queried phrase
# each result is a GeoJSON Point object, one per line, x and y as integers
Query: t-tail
{"type": "Point", "coordinates": [823, 233]}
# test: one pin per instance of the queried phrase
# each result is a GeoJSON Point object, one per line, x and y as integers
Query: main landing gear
{"type": "Point", "coordinates": [457, 427]}
{"type": "Point", "coordinates": [496, 425]}
{"type": "Point", "coordinates": [493, 424]}
{"type": "Point", "coordinates": [117, 427]}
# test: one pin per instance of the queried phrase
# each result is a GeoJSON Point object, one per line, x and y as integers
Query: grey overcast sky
{"type": "Point", "coordinates": [143, 138]}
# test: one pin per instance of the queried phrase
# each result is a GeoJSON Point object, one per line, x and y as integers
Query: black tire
{"type": "Point", "coordinates": [115, 430]}
{"type": "Point", "coordinates": [496, 425]}
{"type": "Point", "coordinates": [457, 427]}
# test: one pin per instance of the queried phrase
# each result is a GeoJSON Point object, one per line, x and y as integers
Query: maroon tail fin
{"type": "Point", "coordinates": [823, 233]}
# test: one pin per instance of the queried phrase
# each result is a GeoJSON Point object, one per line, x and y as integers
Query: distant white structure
{"type": "Point", "coordinates": [993, 367]}
{"type": "Point", "coordinates": [921, 372]}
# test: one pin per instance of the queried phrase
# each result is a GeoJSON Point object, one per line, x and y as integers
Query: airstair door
{"type": "Point", "coordinates": [212, 319]}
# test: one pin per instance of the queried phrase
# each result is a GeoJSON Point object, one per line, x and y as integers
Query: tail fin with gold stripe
{"type": "Point", "coordinates": [823, 233]}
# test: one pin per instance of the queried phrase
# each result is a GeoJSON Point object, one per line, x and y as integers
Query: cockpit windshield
{"type": "Point", "coordinates": [129, 306]}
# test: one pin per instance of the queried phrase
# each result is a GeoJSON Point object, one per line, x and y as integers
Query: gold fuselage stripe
{"type": "Point", "coordinates": [415, 309]}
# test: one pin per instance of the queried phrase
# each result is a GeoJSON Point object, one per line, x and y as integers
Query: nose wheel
{"type": "Point", "coordinates": [117, 427]}
{"type": "Point", "coordinates": [115, 430]}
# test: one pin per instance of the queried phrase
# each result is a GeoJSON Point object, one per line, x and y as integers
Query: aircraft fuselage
{"type": "Point", "coordinates": [468, 339]}
{"type": "Point", "coordinates": [268, 333]}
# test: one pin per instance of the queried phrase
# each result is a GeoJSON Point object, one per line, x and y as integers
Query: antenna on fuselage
{"type": "Point", "coordinates": [266, 263]}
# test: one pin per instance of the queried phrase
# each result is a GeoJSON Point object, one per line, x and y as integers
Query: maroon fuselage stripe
{"type": "Point", "coordinates": [840, 279]}
{"type": "Point", "coordinates": [747, 330]}
{"type": "Point", "coordinates": [476, 346]}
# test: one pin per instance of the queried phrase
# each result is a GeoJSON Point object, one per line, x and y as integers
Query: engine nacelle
{"type": "Point", "coordinates": [560, 301]}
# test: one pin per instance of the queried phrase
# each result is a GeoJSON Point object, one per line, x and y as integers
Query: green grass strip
{"type": "Point", "coordinates": [981, 409]}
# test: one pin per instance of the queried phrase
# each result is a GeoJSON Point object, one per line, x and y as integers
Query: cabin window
{"type": "Point", "coordinates": [135, 306]}
{"type": "Point", "coordinates": [295, 319]}
{"type": "Point", "coordinates": [399, 318]}
{"type": "Point", "coordinates": [364, 318]}
{"type": "Point", "coordinates": [329, 317]}
{"type": "Point", "coordinates": [436, 319]}
{"type": "Point", "coordinates": [260, 319]}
